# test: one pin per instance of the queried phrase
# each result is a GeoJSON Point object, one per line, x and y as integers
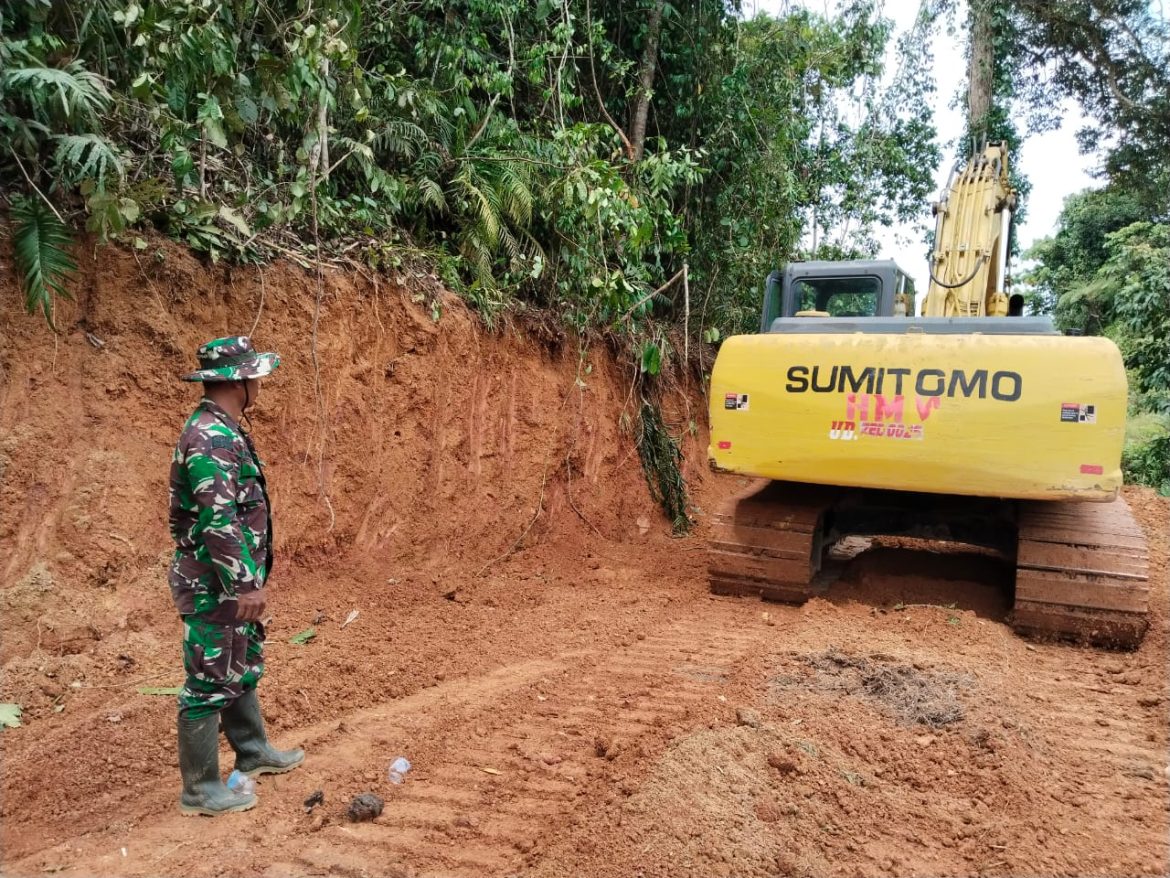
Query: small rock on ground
{"type": "Point", "coordinates": [364, 807]}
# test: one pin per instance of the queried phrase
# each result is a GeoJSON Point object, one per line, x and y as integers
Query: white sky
{"type": "Point", "coordinates": [1051, 161]}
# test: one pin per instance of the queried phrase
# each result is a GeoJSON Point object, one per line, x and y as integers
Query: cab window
{"type": "Point", "coordinates": [839, 296]}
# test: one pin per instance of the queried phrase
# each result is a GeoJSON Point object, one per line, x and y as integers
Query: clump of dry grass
{"type": "Point", "coordinates": [909, 694]}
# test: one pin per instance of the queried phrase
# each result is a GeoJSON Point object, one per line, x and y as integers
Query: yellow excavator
{"type": "Point", "coordinates": [969, 423]}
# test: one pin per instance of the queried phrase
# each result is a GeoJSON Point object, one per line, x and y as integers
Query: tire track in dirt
{"type": "Point", "coordinates": [334, 747]}
{"type": "Point", "coordinates": [482, 808]}
{"type": "Point", "coordinates": [557, 735]}
{"type": "Point", "coordinates": [1063, 788]}
{"type": "Point", "coordinates": [1106, 732]}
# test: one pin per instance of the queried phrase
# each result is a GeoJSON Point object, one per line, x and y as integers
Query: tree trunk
{"type": "Point", "coordinates": [980, 72]}
{"type": "Point", "coordinates": [646, 80]}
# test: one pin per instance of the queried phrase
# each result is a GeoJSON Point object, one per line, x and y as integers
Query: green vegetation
{"type": "Point", "coordinates": [571, 155]}
{"type": "Point", "coordinates": [662, 466]}
{"type": "Point", "coordinates": [1146, 458]}
{"type": "Point", "coordinates": [561, 154]}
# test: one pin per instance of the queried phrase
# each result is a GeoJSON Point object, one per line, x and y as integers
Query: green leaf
{"type": "Point", "coordinates": [82, 156]}
{"type": "Point", "coordinates": [303, 637]}
{"type": "Point", "coordinates": [214, 131]}
{"type": "Point", "coordinates": [79, 94]}
{"type": "Point", "coordinates": [651, 358]}
{"type": "Point", "coordinates": [158, 690]}
{"type": "Point", "coordinates": [210, 115]}
{"type": "Point", "coordinates": [129, 209]}
{"type": "Point", "coordinates": [233, 218]}
{"type": "Point", "coordinates": [40, 244]}
{"type": "Point", "coordinates": [182, 166]}
{"type": "Point", "coordinates": [9, 715]}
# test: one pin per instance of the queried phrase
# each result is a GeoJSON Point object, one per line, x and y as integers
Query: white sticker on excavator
{"type": "Point", "coordinates": [1078, 413]}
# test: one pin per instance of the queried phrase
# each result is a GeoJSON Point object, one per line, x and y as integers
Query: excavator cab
{"type": "Point", "coordinates": [858, 288]}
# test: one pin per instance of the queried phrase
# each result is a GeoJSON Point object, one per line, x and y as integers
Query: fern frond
{"type": "Point", "coordinates": [86, 156]}
{"type": "Point", "coordinates": [358, 149]}
{"type": "Point", "coordinates": [531, 247]}
{"type": "Point", "coordinates": [400, 137]}
{"type": "Point", "coordinates": [40, 245]}
{"type": "Point", "coordinates": [509, 243]}
{"type": "Point", "coordinates": [429, 163]}
{"type": "Point", "coordinates": [487, 216]}
{"type": "Point", "coordinates": [516, 196]}
{"type": "Point", "coordinates": [389, 187]}
{"type": "Point", "coordinates": [430, 194]}
{"type": "Point", "coordinates": [81, 94]}
{"type": "Point", "coordinates": [477, 252]}
{"type": "Point", "coordinates": [442, 127]}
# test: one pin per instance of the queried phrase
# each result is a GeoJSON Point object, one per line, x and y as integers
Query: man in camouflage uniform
{"type": "Point", "coordinates": [222, 526]}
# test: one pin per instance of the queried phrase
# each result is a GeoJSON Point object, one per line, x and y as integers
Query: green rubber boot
{"type": "Point", "coordinates": [203, 790]}
{"type": "Point", "coordinates": [244, 727]}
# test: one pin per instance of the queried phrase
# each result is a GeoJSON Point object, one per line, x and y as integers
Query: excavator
{"type": "Point", "coordinates": [969, 423]}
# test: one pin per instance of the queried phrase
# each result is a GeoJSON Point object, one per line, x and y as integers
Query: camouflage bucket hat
{"type": "Point", "coordinates": [232, 359]}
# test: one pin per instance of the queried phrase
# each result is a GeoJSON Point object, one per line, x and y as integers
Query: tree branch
{"type": "Point", "coordinates": [487, 117]}
{"type": "Point", "coordinates": [36, 188]}
{"type": "Point", "coordinates": [642, 301]}
{"type": "Point", "coordinates": [597, 91]}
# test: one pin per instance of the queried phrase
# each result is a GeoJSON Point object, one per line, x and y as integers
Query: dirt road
{"type": "Point", "coordinates": [605, 716]}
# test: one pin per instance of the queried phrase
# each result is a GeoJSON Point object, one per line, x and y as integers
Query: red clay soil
{"type": "Point", "coordinates": [528, 633]}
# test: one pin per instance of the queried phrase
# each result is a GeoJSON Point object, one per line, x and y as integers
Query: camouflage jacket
{"type": "Point", "coordinates": [220, 516]}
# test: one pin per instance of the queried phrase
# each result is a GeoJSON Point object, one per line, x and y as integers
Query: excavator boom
{"type": "Point", "coordinates": [969, 262]}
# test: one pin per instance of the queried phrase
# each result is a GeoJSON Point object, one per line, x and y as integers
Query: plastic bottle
{"type": "Point", "coordinates": [241, 783]}
{"type": "Point", "coordinates": [398, 769]}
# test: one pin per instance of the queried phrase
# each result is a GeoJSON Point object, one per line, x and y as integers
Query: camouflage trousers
{"type": "Point", "coordinates": [223, 660]}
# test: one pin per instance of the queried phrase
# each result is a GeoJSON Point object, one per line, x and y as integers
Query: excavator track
{"type": "Point", "coordinates": [767, 541]}
{"type": "Point", "coordinates": [1082, 572]}
{"type": "Point", "coordinates": [1082, 569]}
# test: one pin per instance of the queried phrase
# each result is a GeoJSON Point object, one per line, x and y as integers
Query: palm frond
{"type": "Point", "coordinates": [509, 243]}
{"type": "Point", "coordinates": [515, 193]}
{"type": "Point", "coordinates": [487, 215]}
{"type": "Point", "coordinates": [531, 247]}
{"type": "Point", "coordinates": [40, 244]}
{"type": "Point", "coordinates": [478, 254]}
